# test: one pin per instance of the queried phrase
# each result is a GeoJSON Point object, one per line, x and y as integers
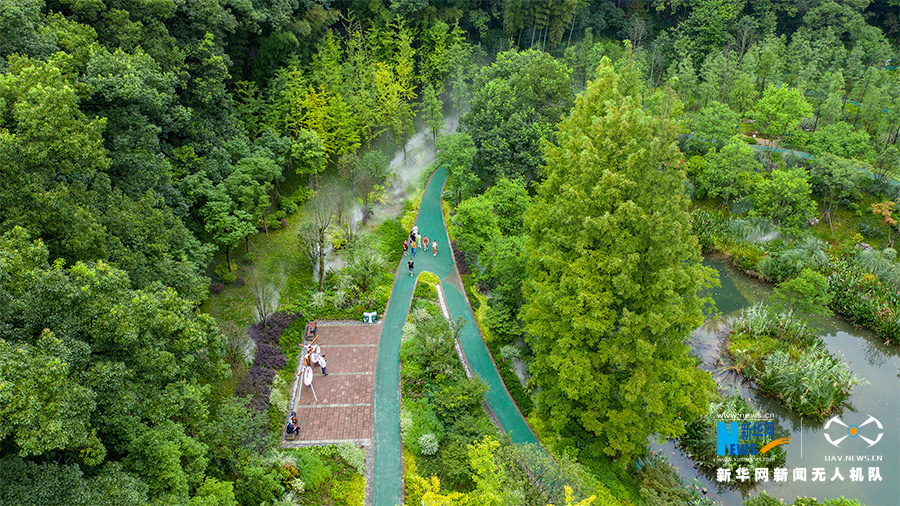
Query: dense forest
{"type": "Point", "coordinates": [149, 149]}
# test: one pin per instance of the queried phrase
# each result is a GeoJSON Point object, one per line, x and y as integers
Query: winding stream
{"type": "Point", "coordinates": [868, 358]}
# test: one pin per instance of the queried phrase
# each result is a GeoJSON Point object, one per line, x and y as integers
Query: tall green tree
{"type": "Point", "coordinates": [432, 111]}
{"type": "Point", "coordinates": [613, 276]}
{"type": "Point", "coordinates": [518, 101]}
{"type": "Point", "coordinates": [837, 177]}
{"type": "Point", "coordinates": [786, 198]}
{"type": "Point", "coordinates": [729, 173]}
{"type": "Point", "coordinates": [778, 114]}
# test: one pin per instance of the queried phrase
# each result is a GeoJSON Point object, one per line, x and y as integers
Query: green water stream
{"type": "Point", "coordinates": [868, 358]}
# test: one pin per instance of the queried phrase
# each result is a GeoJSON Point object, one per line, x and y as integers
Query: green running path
{"type": "Point", "coordinates": [388, 471]}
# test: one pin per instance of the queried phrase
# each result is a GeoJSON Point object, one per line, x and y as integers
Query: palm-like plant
{"type": "Point", "coordinates": [808, 253]}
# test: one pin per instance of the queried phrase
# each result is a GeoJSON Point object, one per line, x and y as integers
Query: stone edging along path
{"type": "Point", "coordinates": [388, 468]}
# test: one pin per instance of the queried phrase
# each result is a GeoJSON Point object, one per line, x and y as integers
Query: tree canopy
{"type": "Point", "coordinates": [613, 275]}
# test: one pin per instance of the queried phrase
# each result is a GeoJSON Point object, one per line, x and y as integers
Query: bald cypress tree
{"type": "Point", "coordinates": [613, 276]}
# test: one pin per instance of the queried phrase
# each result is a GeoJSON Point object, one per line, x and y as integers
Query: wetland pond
{"type": "Point", "coordinates": [874, 363]}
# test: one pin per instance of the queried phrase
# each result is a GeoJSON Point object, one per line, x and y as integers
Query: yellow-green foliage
{"type": "Point", "coordinates": [409, 218]}
{"type": "Point", "coordinates": [430, 278]}
{"type": "Point", "coordinates": [412, 479]}
{"type": "Point", "coordinates": [350, 493]}
{"type": "Point", "coordinates": [445, 208]}
{"type": "Point", "coordinates": [480, 317]}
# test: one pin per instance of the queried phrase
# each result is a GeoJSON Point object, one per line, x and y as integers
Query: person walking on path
{"type": "Point", "coordinates": [323, 363]}
{"type": "Point", "coordinates": [405, 248]}
{"type": "Point", "coordinates": [413, 246]}
{"type": "Point", "coordinates": [425, 244]}
{"type": "Point", "coordinates": [418, 238]}
{"type": "Point", "coordinates": [434, 248]}
{"type": "Point", "coordinates": [410, 264]}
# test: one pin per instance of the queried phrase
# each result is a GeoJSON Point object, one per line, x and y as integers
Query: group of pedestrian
{"type": "Point", "coordinates": [415, 239]}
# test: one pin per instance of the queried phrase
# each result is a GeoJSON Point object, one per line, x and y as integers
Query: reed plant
{"type": "Point", "coordinates": [814, 384]}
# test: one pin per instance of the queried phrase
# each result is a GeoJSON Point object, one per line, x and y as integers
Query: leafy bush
{"type": "Point", "coordinates": [777, 269]}
{"type": "Point", "coordinates": [256, 383]}
{"type": "Point", "coordinates": [318, 300]}
{"type": "Point", "coordinates": [270, 356]}
{"type": "Point", "coordinates": [423, 420]}
{"type": "Point", "coordinates": [708, 227]}
{"type": "Point", "coordinates": [510, 352]}
{"type": "Point", "coordinates": [425, 291]}
{"type": "Point", "coordinates": [869, 231]}
{"type": "Point", "coordinates": [353, 455]}
{"type": "Point", "coordinates": [864, 299]}
{"type": "Point", "coordinates": [350, 492]}
{"type": "Point", "coordinates": [469, 285]}
{"type": "Point", "coordinates": [659, 484]}
{"type": "Point", "coordinates": [222, 272]}
{"type": "Point", "coordinates": [458, 399]}
{"type": "Point", "coordinates": [428, 444]}
{"type": "Point", "coordinates": [256, 485]}
{"type": "Point", "coordinates": [520, 394]}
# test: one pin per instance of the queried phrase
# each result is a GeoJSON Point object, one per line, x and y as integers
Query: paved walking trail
{"type": "Point", "coordinates": [387, 446]}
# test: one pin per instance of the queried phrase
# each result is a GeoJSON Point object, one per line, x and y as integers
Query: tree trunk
{"type": "Point", "coordinates": [321, 254]}
{"type": "Point", "coordinates": [228, 257]}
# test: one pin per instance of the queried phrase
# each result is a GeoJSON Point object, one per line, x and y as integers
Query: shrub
{"type": "Point", "coordinates": [353, 455]}
{"type": "Point", "coordinates": [425, 290]}
{"type": "Point", "coordinates": [510, 352]}
{"type": "Point", "coordinates": [520, 394]}
{"type": "Point", "coordinates": [869, 231]}
{"type": "Point", "coordinates": [318, 300]}
{"type": "Point", "coordinates": [460, 259]}
{"type": "Point", "coordinates": [424, 420]}
{"type": "Point", "coordinates": [339, 299]}
{"type": "Point", "coordinates": [239, 281]}
{"type": "Point", "coordinates": [708, 227]}
{"type": "Point", "coordinates": [223, 273]}
{"type": "Point", "coordinates": [216, 288]}
{"type": "Point", "coordinates": [270, 356]}
{"type": "Point", "coordinates": [389, 237]}
{"type": "Point", "coordinates": [428, 444]}
{"type": "Point", "coordinates": [659, 483]}
{"type": "Point", "coordinates": [864, 300]}
{"type": "Point", "coordinates": [257, 384]}
{"type": "Point", "coordinates": [349, 492]}
{"type": "Point", "coordinates": [313, 469]}
{"type": "Point", "coordinates": [458, 399]}
{"type": "Point", "coordinates": [279, 397]}
{"type": "Point", "coordinates": [777, 269]}
{"type": "Point", "coordinates": [255, 485]}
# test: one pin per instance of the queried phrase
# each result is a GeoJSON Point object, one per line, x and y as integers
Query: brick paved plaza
{"type": "Point", "coordinates": [343, 411]}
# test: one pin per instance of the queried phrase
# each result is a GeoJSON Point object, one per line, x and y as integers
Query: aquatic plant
{"type": "Point", "coordinates": [815, 383]}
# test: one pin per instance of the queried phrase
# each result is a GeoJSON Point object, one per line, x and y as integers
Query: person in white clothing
{"type": "Point", "coordinates": [434, 248]}
{"type": "Point", "coordinates": [323, 363]}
